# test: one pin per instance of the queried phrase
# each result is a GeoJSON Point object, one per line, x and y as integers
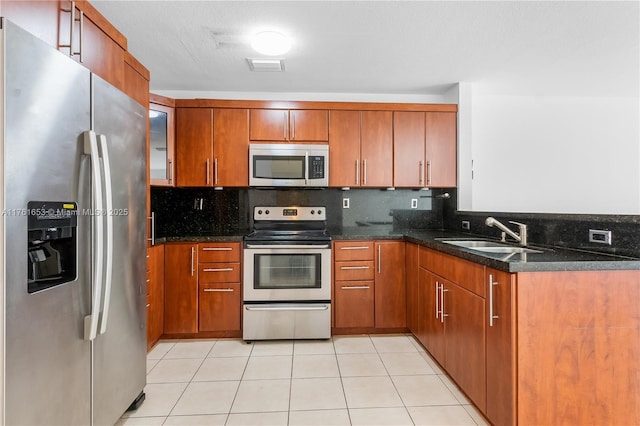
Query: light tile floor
{"type": "Point", "coordinates": [347, 380]}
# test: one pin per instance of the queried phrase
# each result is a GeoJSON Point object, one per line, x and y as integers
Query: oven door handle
{"type": "Point", "coordinates": [289, 246]}
{"type": "Point", "coordinates": [287, 308]}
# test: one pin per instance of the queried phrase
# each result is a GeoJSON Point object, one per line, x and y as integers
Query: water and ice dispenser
{"type": "Point", "coordinates": [51, 244]}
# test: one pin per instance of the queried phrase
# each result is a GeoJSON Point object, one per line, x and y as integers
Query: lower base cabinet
{"type": "Point", "coordinates": [155, 294]}
{"type": "Point", "coordinates": [531, 348]}
{"type": "Point", "coordinates": [353, 304]}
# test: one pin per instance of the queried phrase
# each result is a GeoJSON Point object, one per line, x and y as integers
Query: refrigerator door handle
{"type": "Point", "coordinates": [108, 216]}
{"type": "Point", "coordinates": [91, 149]}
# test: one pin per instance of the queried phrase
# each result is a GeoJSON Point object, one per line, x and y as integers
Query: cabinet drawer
{"type": "Point", "coordinates": [354, 304]}
{"type": "Point", "coordinates": [355, 270]}
{"type": "Point", "coordinates": [219, 252]}
{"type": "Point", "coordinates": [353, 250]}
{"type": "Point", "coordinates": [219, 273]}
{"type": "Point", "coordinates": [219, 307]}
{"type": "Point", "coordinates": [468, 275]}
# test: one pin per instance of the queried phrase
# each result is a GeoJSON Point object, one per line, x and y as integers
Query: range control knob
{"type": "Point", "coordinates": [259, 211]}
{"type": "Point", "coordinates": [319, 211]}
{"type": "Point", "coordinates": [313, 212]}
{"type": "Point", "coordinates": [266, 211]}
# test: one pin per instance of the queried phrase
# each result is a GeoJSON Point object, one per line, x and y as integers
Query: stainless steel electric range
{"type": "Point", "coordinates": [287, 275]}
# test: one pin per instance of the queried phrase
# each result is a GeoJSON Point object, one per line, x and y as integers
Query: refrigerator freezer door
{"type": "Point", "coordinates": [47, 107]}
{"type": "Point", "coordinates": [119, 354]}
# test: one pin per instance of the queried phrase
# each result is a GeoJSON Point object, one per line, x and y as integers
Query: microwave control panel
{"type": "Point", "coordinates": [316, 167]}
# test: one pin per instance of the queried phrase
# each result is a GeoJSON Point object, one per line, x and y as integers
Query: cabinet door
{"type": "Point", "coordinates": [412, 279]}
{"type": "Point", "coordinates": [408, 149]}
{"type": "Point", "coordinates": [269, 125]}
{"type": "Point", "coordinates": [40, 18]}
{"type": "Point", "coordinates": [465, 358]}
{"type": "Point", "coordinates": [230, 147]}
{"type": "Point", "coordinates": [376, 149]}
{"type": "Point", "coordinates": [309, 125]}
{"type": "Point", "coordinates": [344, 148]}
{"type": "Point", "coordinates": [136, 80]}
{"type": "Point", "coordinates": [155, 294]}
{"type": "Point", "coordinates": [354, 304]}
{"type": "Point", "coordinates": [219, 307]}
{"type": "Point", "coordinates": [431, 323]}
{"type": "Point", "coordinates": [390, 290]}
{"type": "Point", "coordinates": [181, 289]}
{"type": "Point", "coordinates": [441, 150]}
{"type": "Point", "coordinates": [102, 55]}
{"type": "Point", "coordinates": [194, 146]}
{"type": "Point", "coordinates": [161, 150]}
{"type": "Point", "coordinates": [501, 371]}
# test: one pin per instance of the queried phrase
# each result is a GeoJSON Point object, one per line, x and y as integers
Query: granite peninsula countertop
{"type": "Point", "coordinates": [551, 259]}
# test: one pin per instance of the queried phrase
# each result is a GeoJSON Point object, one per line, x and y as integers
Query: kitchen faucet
{"type": "Point", "coordinates": [521, 238]}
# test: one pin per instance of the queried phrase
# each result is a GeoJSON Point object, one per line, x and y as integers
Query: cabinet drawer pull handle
{"type": "Point", "coordinates": [355, 248]}
{"type": "Point", "coordinates": [354, 287]}
{"type": "Point", "coordinates": [379, 259]}
{"type": "Point", "coordinates": [148, 304]}
{"type": "Point", "coordinates": [225, 290]}
{"type": "Point", "coordinates": [217, 248]}
{"type": "Point", "coordinates": [193, 251]}
{"type": "Point", "coordinates": [442, 292]}
{"type": "Point", "coordinates": [217, 269]}
{"type": "Point", "coordinates": [349, 268]}
{"type": "Point", "coordinates": [437, 299]}
{"type": "Point", "coordinates": [491, 315]}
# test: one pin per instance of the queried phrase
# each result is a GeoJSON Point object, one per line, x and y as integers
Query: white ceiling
{"type": "Point", "coordinates": [387, 47]}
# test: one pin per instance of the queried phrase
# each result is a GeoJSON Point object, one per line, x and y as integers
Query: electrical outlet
{"type": "Point", "coordinates": [466, 225]}
{"type": "Point", "coordinates": [198, 203]}
{"type": "Point", "coordinates": [600, 236]}
{"type": "Point", "coordinates": [345, 203]}
{"type": "Point", "coordinates": [414, 203]}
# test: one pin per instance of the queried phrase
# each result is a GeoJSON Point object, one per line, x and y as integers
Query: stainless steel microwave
{"type": "Point", "coordinates": [288, 165]}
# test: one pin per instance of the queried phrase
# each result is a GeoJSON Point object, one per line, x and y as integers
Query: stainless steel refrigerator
{"type": "Point", "coordinates": [73, 171]}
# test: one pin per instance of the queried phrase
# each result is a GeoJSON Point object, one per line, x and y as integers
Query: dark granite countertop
{"type": "Point", "coordinates": [551, 258]}
{"type": "Point", "coordinates": [201, 239]}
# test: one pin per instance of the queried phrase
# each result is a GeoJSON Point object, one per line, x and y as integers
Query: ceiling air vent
{"type": "Point", "coordinates": [266, 65]}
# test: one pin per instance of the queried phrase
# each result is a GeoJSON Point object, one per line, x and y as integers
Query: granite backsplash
{"type": "Point", "coordinates": [183, 212]}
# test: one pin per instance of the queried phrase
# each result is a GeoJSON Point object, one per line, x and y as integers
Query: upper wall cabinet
{"type": "Point", "coordinates": [361, 149]}
{"type": "Point", "coordinates": [212, 146]}
{"type": "Point", "coordinates": [277, 125]}
{"type": "Point", "coordinates": [424, 145]}
{"type": "Point", "coordinates": [161, 150]}
{"type": "Point", "coordinates": [80, 31]}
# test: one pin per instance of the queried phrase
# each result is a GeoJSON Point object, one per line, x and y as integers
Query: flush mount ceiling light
{"type": "Point", "coordinates": [271, 43]}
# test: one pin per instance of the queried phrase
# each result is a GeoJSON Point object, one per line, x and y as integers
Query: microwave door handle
{"type": "Point", "coordinates": [306, 168]}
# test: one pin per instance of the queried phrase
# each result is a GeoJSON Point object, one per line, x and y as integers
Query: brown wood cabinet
{"type": "Point", "coordinates": [369, 285]}
{"type": "Point", "coordinates": [376, 149]}
{"type": "Point", "coordinates": [344, 148]}
{"type": "Point", "coordinates": [424, 149]}
{"type": "Point", "coordinates": [219, 299]}
{"type": "Point", "coordinates": [412, 280]}
{"type": "Point", "coordinates": [181, 288]}
{"type": "Point", "coordinates": [454, 330]}
{"type": "Point", "coordinates": [212, 147]}
{"type": "Point", "coordinates": [96, 43]}
{"type": "Point", "coordinates": [501, 367]}
{"type": "Point", "coordinates": [194, 146]}
{"type": "Point", "coordinates": [272, 125]}
{"type": "Point", "coordinates": [155, 294]}
{"type": "Point", "coordinates": [230, 147]}
{"type": "Point", "coordinates": [390, 287]}
{"type": "Point", "coordinates": [361, 149]}
{"type": "Point", "coordinates": [354, 277]}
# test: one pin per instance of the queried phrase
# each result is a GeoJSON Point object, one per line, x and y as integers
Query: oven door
{"type": "Point", "coordinates": [279, 273]}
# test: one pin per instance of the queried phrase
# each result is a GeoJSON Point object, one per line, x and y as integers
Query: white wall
{"type": "Point", "coordinates": [552, 154]}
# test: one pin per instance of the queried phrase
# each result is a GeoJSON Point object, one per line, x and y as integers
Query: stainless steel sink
{"type": "Point", "coordinates": [489, 246]}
